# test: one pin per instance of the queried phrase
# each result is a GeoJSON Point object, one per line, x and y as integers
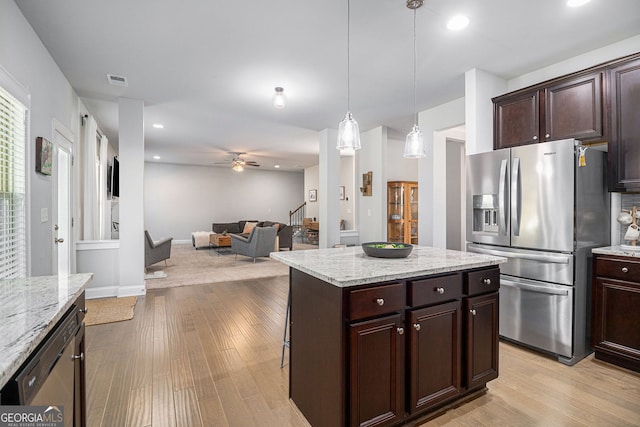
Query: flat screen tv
{"type": "Point", "coordinates": [115, 189]}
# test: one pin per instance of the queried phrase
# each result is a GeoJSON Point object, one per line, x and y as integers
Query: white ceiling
{"type": "Point", "coordinates": [207, 69]}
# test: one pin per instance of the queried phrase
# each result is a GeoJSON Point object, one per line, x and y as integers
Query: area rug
{"type": "Point", "coordinates": [109, 310]}
{"type": "Point", "coordinates": [190, 266]}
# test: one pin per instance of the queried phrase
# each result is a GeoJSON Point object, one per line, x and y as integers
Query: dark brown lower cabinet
{"type": "Point", "coordinates": [435, 350]}
{"type": "Point", "coordinates": [481, 315]}
{"type": "Point", "coordinates": [383, 354]}
{"type": "Point", "coordinates": [376, 384]}
{"type": "Point", "coordinates": [615, 330]}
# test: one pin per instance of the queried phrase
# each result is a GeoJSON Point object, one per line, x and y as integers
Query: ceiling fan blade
{"type": "Point", "coordinates": [253, 164]}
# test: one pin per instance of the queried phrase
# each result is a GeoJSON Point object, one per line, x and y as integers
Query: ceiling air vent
{"type": "Point", "coordinates": [117, 80]}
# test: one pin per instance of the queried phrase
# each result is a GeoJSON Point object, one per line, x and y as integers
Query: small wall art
{"type": "Point", "coordinates": [313, 195]}
{"type": "Point", "coordinates": [44, 155]}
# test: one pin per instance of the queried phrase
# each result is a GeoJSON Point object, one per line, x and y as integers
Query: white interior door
{"type": "Point", "coordinates": [62, 205]}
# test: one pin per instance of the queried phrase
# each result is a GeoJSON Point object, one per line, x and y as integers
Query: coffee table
{"type": "Point", "coordinates": [220, 241]}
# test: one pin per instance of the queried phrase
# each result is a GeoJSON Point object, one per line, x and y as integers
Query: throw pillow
{"type": "Point", "coordinates": [248, 226]}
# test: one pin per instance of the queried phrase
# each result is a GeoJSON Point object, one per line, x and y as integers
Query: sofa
{"type": "Point", "coordinates": [285, 232]}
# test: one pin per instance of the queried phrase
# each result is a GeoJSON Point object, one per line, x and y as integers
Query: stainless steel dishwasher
{"type": "Point", "coordinates": [48, 377]}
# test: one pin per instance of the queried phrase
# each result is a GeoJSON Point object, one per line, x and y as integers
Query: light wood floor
{"type": "Point", "coordinates": [209, 355]}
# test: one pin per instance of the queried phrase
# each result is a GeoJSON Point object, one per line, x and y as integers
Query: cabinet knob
{"type": "Point", "coordinates": [472, 311]}
{"type": "Point", "coordinates": [380, 302]}
{"type": "Point", "coordinates": [76, 357]}
{"type": "Point", "coordinates": [400, 331]}
{"type": "Point", "coordinates": [439, 290]}
{"type": "Point", "coordinates": [416, 326]}
{"type": "Point", "coordinates": [547, 136]}
{"type": "Point", "coordinates": [84, 310]}
{"type": "Point", "coordinates": [535, 137]}
{"type": "Point", "coordinates": [625, 270]}
{"type": "Point", "coordinates": [486, 281]}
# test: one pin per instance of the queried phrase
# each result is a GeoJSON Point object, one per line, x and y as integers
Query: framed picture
{"type": "Point", "coordinates": [342, 192]}
{"type": "Point", "coordinates": [44, 154]}
{"type": "Point", "coordinates": [313, 195]}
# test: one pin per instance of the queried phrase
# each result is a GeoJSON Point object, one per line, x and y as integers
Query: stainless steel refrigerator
{"type": "Point", "coordinates": [536, 206]}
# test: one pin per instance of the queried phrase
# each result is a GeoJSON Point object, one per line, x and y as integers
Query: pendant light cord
{"type": "Point", "coordinates": [348, 56]}
{"type": "Point", "coordinates": [415, 67]}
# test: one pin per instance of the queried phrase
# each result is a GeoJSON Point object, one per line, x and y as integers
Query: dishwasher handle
{"type": "Point", "coordinates": [533, 288]}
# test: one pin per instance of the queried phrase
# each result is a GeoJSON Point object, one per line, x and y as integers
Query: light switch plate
{"type": "Point", "coordinates": [44, 215]}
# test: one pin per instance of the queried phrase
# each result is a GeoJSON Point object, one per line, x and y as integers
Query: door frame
{"type": "Point", "coordinates": [67, 144]}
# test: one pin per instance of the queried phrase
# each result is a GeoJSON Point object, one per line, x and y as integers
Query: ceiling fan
{"type": "Point", "coordinates": [238, 163]}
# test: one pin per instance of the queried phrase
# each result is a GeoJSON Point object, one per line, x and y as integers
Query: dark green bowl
{"type": "Point", "coordinates": [387, 252]}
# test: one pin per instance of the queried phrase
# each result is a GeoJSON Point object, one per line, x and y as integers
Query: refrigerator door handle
{"type": "Point", "coordinates": [502, 201]}
{"type": "Point", "coordinates": [549, 258]}
{"type": "Point", "coordinates": [538, 289]}
{"type": "Point", "coordinates": [516, 197]}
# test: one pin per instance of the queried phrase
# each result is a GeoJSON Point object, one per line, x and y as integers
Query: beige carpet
{"type": "Point", "coordinates": [188, 266]}
{"type": "Point", "coordinates": [109, 310]}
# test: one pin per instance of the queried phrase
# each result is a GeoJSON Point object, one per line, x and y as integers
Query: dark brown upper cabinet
{"type": "Point", "coordinates": [570, 107]}
{"type": "Point", "coordinates": [624, 145]}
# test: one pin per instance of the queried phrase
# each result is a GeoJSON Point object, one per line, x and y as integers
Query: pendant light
{"type": "Point", "coordinates": [348, 130]}
{"type": "Point", "coordinates": [414, 145]}
{"type": "Point", "coordinates": [279, 99]}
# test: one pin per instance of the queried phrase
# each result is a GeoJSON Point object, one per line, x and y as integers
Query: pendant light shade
{"type": "Point", "coordinates": [348, 134]}
{"type": "Point", "coordinates": [279, 99]}
{"type": "Point", "coordinates": [414, 145]}
{"type": "Point", "coordinates": [348, 130]}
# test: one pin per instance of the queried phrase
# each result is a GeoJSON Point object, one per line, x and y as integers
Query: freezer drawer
{"type": "Point", "coordinates": [537, 314]}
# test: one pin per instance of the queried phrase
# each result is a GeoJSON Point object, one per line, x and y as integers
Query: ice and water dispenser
{"type": "Point", "coordinates": [485, 213]}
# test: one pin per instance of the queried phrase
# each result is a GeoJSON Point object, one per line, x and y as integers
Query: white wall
{"type": "Point", "coordinates": [400, 168]}
{"type": "Point", "coordinates": [372, 210]}
{"type": "Point", "coordinates": [347, 180]}
{"type": "Point", "coordinates": [24, 56]}
{"type": "Point", "coordinates": [180, 199]}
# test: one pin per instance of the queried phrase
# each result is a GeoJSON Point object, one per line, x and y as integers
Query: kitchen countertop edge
{"type": "Point", "coordinates": [30, 298]}
{"type": "Point", "coordinates": [617, 251]}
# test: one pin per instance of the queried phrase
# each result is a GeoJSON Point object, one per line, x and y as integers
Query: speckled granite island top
{"type": "Point", "coordinates": [29, 309]}
{"type": "Point", "coordinates": [349, 266]}
{"type": "Point", "coordinates": [618, 251]}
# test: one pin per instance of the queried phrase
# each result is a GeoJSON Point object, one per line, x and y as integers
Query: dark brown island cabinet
{"type": "Point", "coordinates": [616, 310]}
{"type": "Point", "coordinates": [387, 353]}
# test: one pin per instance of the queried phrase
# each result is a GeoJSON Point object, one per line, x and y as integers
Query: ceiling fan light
{"type": "Point", "coordinates": [237, 167]}
{"type": "Point", "coordinates": [279, 99]}
{"type": "Point", "coordinates": [348, 134]}
{"type": "Point", "coordinates": [414, 146]}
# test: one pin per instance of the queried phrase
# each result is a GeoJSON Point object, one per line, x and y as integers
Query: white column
{"type": "Point", "coordinates": [328, 191]}
{"type": "Point", "coordinates": [372, 210]}
{"type": "Point", "coordinates": [131, 157]}
{"type": "Point", "coordinates": [479, 88]}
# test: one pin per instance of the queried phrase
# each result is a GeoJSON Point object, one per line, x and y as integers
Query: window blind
{"type": "Point", "coordinates": [12, 187]}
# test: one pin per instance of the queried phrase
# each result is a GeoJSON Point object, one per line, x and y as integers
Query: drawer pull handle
{"type": "Point", "coordinates": [380, 302]}
{"type": "Point", "coordinates": [486, 281]}
{"type": "Point", "coordinates": [400, 331]}
{"type": "Point", "coordinates": [625, 270]}
{"type": "Point", "coordinates": [439, 290]}
{"type": "Point", "coordinates": [472, 311]}
{"type": "Point", "coordinates": [416, 326]}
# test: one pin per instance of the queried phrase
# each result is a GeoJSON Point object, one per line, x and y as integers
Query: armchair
{"type": "Point", "coordinates": [260, 242]}
{"type": "Point", "coordinates": [156, 251]}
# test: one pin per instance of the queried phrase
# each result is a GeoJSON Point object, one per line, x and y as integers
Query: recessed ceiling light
{"type": "Point", "coordinates": [277, 166]}
{"type": "Point", "coordinates": [158, 126]}
{"type": "Point", "coordinates": [577, 3]}
{"type": "Point", "coordinates": [458, 22]}
{"type": "Point", "coordinates": [156, 157]}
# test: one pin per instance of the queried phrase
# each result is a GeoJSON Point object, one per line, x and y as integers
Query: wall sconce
{"type": "Point", "coordinates": [367, 179]}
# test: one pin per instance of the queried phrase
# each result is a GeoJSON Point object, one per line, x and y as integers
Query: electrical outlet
{"type": "Point", "coordinates": [44, 215]}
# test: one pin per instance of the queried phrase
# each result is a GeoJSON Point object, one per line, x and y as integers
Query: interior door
{"type": "Point", "coordinates": [62, 204]}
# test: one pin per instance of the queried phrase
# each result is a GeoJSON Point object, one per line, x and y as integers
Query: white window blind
{"type": "Point", "coordinates": [12, 187]}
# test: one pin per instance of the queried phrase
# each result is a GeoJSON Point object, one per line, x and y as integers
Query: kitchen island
{"type": "Point", "coordinates": [380, 342]}
{"type": "Point", "coordinates": [35, 311]}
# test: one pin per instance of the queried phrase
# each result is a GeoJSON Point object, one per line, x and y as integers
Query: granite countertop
{"type": "Point", "coordinates": [618, 251]}
{"type": "Point", "coordinates": [29, 309]}
{"type": "Point", "coordinates": [349, 266]}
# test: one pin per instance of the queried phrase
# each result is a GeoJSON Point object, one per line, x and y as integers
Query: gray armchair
{"type": "Point", "coordinates": [156, 251]}
{"type": "Point", "coordinates": [260, 242]}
